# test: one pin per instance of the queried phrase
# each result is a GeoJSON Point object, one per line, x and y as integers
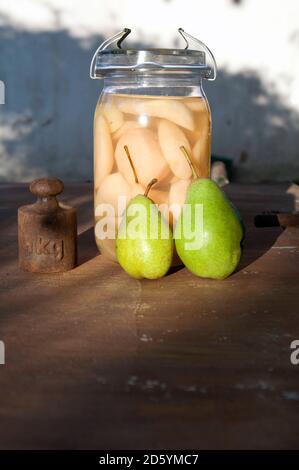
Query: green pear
{"type": "Point", "coordinates": [239, 217]}
{"type": "Point", "coordinates": [209, 231]}
{"type": "Point", "coordinates": [144, 243]}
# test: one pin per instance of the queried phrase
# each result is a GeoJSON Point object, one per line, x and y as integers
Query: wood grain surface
{"type": "Point", "coordinates": [95, 359]}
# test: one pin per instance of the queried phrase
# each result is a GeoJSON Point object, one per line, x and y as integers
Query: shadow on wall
{"type": "Point", "coordinates": [46, 123]}
{"type": "Point", "coordinates": [255, 127]}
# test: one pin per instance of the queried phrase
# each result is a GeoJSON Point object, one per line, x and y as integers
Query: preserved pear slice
{"type": "Point", "coordinates": [201, 151]}
{"type": "Point", "coordinates": [197, 104]}
{"type": "Point", "coordinates": [108, 225]}
{"type": "Point", "coordinates": [177, 197]}
{"type": "Point", "coordinates": [107, 248]}
{"type": "Point", "coordinates": [112, 188]}
{"type": "Point", "coordinates": [146, 156]}
{"type": "Point", "coordinates": [171, 138]}
{"type": "Point", "coordinates": [159, 197]}
{"type": "Point", "coordinates": [127, 126]}
{"type": "Point", "coordinates": [201, 156]}
{"type": "Point", "coordinates": [136, 189]}
{"type": "Point", "coordinates": [113, 115]}
{"type": "Point", "coordinates": [173, 110]}
{"type": "Point", "coordinates": [103, 149]}
{"type": "Point", "coordinates": [178, 191]}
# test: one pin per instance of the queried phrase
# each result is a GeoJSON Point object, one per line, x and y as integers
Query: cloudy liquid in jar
{"type": "Point", "coordinates": [154, 129]}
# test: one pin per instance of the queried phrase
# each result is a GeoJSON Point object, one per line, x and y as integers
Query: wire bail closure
{"type": "Point", "coordinates": [199, 45]}
{"type": "Point", "coordinates": [117, 39]}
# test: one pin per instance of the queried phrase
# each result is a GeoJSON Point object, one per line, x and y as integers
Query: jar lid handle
{"type": "Point", "coordinates": [208, 68]}
{"type": "Point", "coordinates": [199, 45]}
{"type": "Point", "coordinates": [118, 38]}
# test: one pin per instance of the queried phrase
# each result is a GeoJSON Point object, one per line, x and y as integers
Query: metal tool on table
{"type": "Point", "coordinates": [47, 230]}
{"type": "Point", "coordinates": [277, 219]}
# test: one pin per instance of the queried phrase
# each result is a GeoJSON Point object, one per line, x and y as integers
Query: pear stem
{"type": "Point", "coordinates": [149, 186]}
{"type": "Point", "coordinates": [188, 158]}
{"type": "Point", "coordinates": [131, 163]}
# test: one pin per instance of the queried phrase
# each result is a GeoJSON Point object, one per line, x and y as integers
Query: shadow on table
{"type": "Point", "coordinates": [259, 240]}
{"type": "Point", "coordinates": [87, 248]}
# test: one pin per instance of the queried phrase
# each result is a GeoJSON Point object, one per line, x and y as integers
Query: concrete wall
{"type": "Point", "coordinates": [45, 50]}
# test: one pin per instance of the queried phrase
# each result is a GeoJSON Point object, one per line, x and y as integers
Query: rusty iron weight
{"type": "Point", "coordinates": [47, 230]}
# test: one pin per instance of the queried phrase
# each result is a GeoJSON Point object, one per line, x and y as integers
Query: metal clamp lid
{"type": "Point", "coordinates": [199, 45]}
{"type": "Point", "coordinates": [110, 56]}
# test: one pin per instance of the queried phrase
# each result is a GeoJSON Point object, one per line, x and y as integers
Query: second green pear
{"type": "Point", "coordinates": [220, 232]}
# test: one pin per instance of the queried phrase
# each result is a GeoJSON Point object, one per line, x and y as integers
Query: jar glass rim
{"type": "Point", "coordinates": [141, 60]}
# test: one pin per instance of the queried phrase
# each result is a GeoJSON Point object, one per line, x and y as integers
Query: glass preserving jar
{"type": "Point", "coordinates": [152, 121]}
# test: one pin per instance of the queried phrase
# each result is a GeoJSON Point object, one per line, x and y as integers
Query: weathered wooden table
{"type": "Point", "coordinates": [95, 359]}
